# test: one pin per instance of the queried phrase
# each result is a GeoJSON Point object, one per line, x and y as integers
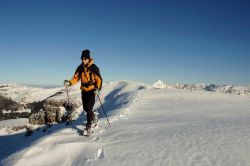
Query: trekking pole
{"type": "Point", "coordinates": [67, 93]}
{"type": "Point", "coordinates": [68, 107]}
{"type": "Point", "coordinates": [103, 109]}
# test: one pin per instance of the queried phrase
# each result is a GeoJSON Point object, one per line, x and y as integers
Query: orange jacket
{"type": "Point", "coordinates": [88, 81]}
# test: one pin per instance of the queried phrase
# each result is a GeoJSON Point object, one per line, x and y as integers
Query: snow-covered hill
{"type": "Point", "coordinates": [20, 101]}
{"type": "Point", "coordinates": [232, 89]}
{"type": "Point", "coordinates": [159, 84]}
{"type": "Point", "coordinates": [26, 94]}
{"type": "Point", "coordinates": [149, 127]}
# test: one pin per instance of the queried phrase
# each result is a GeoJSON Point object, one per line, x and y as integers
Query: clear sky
{"type": "Point", "coordinates": [139, 40]}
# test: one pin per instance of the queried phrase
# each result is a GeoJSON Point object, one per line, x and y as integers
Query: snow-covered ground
{"type": "Point", "coordinates": [26, 94]}
{"type": "Point", "coordinates": [16, 122]}
{"type": "Point", "coordinates": [149, 127]}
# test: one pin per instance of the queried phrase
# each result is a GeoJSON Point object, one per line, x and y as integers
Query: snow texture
{"type": "Point", "coordinates": [149, 127]}
{"type": "Point", "coordinates": [26, 94]}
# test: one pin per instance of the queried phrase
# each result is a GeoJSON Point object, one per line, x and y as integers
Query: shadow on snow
{"type": "Point", "coordinates": [11, 144]}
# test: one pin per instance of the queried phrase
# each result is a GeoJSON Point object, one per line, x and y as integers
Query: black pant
{"type": "Point", "coordinates": [88, 101]}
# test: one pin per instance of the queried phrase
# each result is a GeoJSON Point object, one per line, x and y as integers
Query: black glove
{"type": "Point", "coordinates": [67, 83]}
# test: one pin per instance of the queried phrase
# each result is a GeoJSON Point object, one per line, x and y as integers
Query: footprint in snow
{"type": "Point", "coordinates": [100, 153]}
{"type": "Point", "coordinates": [95, 139]}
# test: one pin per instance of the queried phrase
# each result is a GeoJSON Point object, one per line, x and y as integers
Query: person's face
{"type": "Point", "coordinates": [85, 61]}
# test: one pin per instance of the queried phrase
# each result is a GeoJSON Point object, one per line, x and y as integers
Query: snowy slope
{"type": "Point", "coordinates": [18, 101]}
{"type": "Point", "coordinates": [26, 94]}
{"type": "Point", "coordinates": [149, 127]}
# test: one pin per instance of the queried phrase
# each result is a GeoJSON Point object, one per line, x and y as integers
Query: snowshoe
{"type": "Point", "coordinates": [87, 133]}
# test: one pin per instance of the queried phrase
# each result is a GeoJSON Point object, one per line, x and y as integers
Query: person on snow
{"type": "Point", "coordinates": [91, 82]}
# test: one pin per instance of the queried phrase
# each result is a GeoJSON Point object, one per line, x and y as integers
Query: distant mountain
{"type": "Point", "coordinates": [232, 89]}
{"type": "Point", "coordinates": [159, 84]}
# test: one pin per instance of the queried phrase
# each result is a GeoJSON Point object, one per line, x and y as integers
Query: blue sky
{"type": "Point", "coordinates": [139, 40]}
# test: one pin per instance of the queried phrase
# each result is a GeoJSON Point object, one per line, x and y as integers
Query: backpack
{"type": "Point", "coordinates": [94, 69]}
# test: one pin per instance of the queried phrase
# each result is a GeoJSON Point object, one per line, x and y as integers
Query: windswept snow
{"type": "Point", "coordinates": [149, 127]}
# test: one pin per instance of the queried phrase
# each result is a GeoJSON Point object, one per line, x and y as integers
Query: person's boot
{"type": "Point", "coordinates": [87, 132]}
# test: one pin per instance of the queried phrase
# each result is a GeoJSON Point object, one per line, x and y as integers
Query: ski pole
{"type": "Point", "coordinates": [103, 109]}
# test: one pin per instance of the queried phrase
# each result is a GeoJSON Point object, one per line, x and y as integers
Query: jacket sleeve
{"type": "Point", "coordinates": [76, 77]}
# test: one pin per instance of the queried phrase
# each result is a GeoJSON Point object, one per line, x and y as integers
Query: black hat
{"type": "Point", "coordinates": [85, 54]}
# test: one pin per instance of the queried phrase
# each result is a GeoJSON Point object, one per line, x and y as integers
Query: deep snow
{"type": "Point", "coordinates": [149, 127]}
